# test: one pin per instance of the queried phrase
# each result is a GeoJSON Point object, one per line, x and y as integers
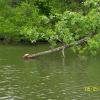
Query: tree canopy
{"type": "Point", "coordinates": [52, 20]}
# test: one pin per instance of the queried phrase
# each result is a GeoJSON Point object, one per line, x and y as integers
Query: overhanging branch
{"type": "Point", "coordinates": [32, 56]}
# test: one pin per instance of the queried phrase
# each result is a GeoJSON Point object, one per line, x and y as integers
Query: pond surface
{"type": "Point", "coordinates": [49, 77]}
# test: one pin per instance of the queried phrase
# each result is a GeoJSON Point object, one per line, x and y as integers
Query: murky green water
{"type": "Point", "coordinates": [50, 77]}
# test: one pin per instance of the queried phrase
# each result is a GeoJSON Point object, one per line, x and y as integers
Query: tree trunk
{"type": "Point", "coordinates": [32, 56]}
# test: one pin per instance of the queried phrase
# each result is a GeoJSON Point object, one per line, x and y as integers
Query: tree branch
{"type": "Point", "coordinates": [32, 56]}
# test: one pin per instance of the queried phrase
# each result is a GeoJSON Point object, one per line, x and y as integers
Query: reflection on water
{"type": "Point", "coordinates": [50, 77]}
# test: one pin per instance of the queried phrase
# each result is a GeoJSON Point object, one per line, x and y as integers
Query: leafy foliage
{"type": "Point", "coordinates": [52, 21]}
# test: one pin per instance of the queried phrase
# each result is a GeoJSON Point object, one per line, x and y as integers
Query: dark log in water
{"type": "Point", "coordinates": [32, 56]}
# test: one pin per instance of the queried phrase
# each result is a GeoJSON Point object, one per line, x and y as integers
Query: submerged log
{"type": "Point", "coordinates": [32, 56]}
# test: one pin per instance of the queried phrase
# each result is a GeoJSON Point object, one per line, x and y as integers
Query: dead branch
{"type": "Point", "coordinates": [32, 56]}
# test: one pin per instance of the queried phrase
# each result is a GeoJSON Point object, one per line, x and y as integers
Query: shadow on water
{"type": "Point", "coordinates": [50, 77]}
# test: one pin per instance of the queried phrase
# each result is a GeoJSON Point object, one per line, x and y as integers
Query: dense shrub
{"type": "Point", "coordinates": [51, 20]}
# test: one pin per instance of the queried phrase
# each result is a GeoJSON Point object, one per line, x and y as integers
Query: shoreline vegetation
{"type": "Point", "coordinates": [22, 41]}
{"type": "Point", "coordinates": [51, 21]}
